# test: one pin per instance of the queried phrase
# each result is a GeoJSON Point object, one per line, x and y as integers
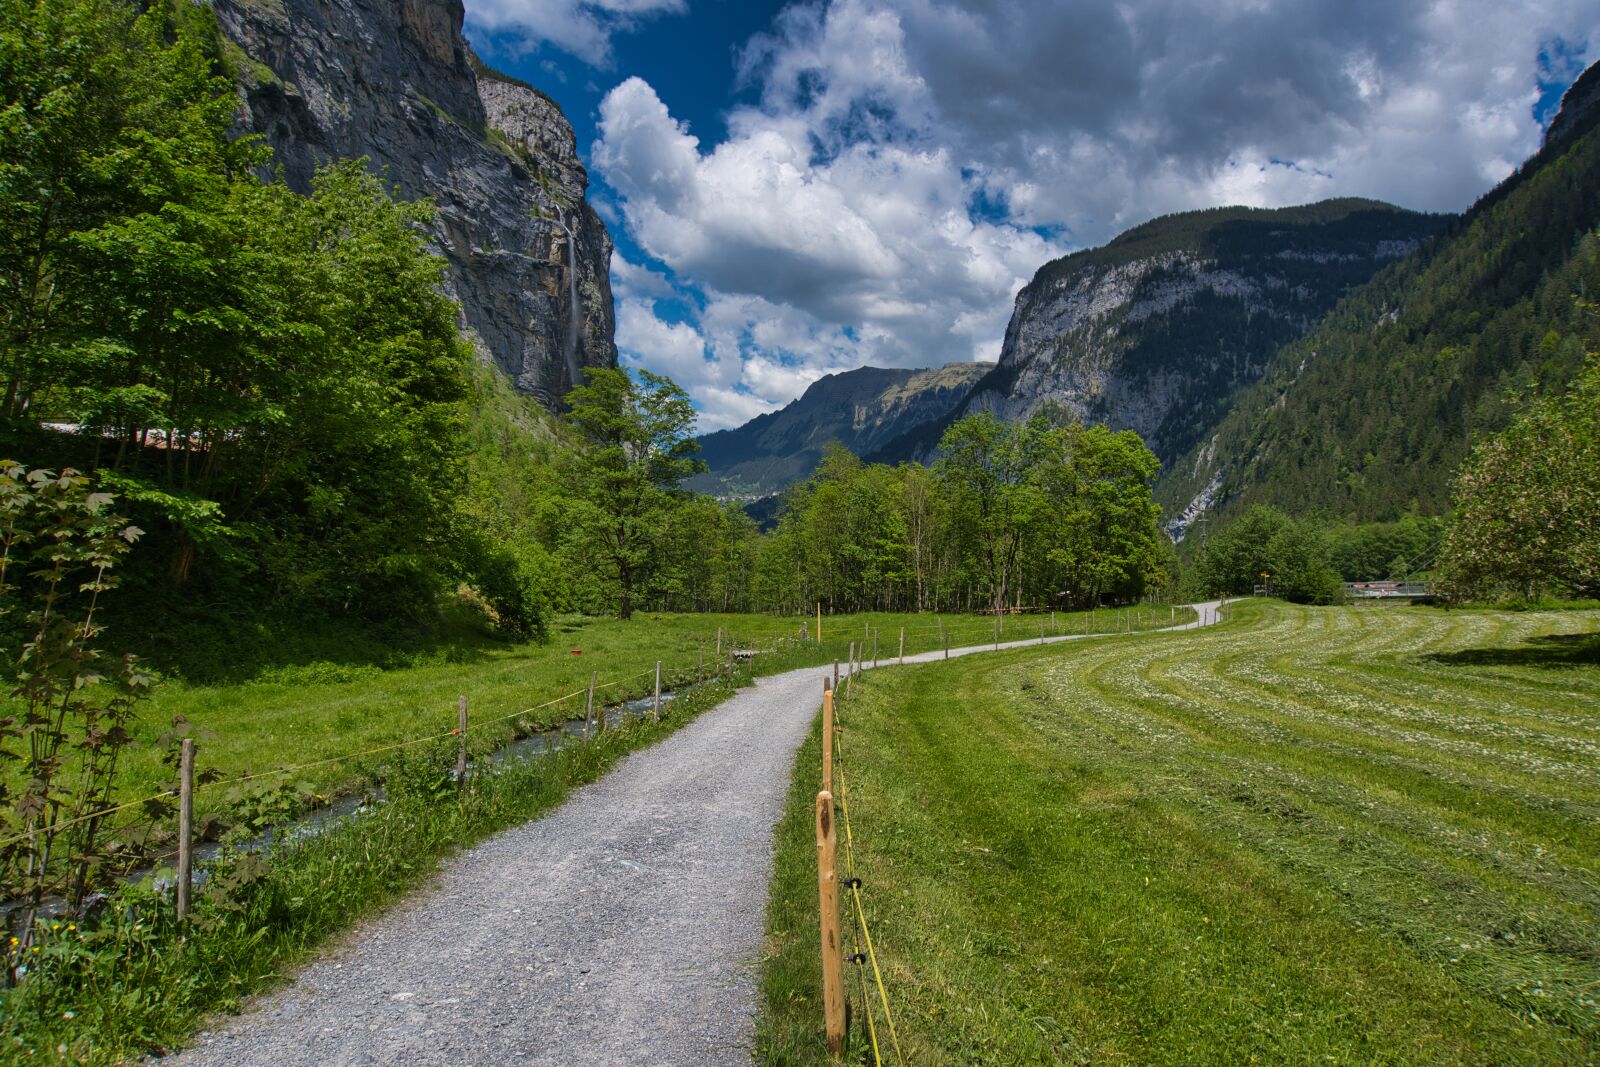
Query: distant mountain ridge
{"type": "Point", "coordinates": [1159, 329]}
{"type": "Point", "coordinates": [861, 409]}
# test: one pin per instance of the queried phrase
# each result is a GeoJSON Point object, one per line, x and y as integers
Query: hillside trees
{"type": "Point", "coordinates": [1371, 412]}
{"type": "Point", "coordinates": [1263, 546]}
{"type": "Point", "coordinates": [272, 382]}
{"type": "Point", "coordinates": [625, 477]}
{"type": "Point", "coordinates": [1035, 514]}
{"type": "Point", "coordinates": [1527, 517]}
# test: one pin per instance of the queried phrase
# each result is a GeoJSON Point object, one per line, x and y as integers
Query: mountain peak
{"type": "Point", "coordinates": [1156, 330]}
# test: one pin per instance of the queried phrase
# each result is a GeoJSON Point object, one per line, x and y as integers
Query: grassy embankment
{"type": "Point", "coordinates": [289, 716]}
{"type": "Point", "coordinates": [1353, 835]}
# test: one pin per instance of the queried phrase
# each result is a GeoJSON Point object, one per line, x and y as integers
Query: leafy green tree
{"type": "Point", "coordinates": [1401, 549]}
{"type": "Point", "coordinates": [636, 451]}
{"type": "Point", "coordinates": [1099, 531]}
{"type": "Point", "coordinates": [1234, 558]}
{"type": "Point", "coordinates": [113, 120]}
{"type": "Point", "coordinates": [984, 466]}
{"type": "Point", "coordinates": [1528, 502]}
{"type": "Point", "coordinates": [1299, 566]}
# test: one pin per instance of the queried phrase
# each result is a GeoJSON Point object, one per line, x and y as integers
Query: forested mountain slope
{"type": "Point", "coordinates": [860, 409]}
{"type": "Point", "coordinates": [1367, 415]}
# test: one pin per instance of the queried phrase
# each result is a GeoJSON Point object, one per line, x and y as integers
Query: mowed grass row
{"type": "Point", "coordinates": [302, 714]}
{"type": "Point", "coordinates": [1352, 835]}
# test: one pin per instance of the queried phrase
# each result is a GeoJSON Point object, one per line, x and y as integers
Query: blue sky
{"type": "Point", "coordinates": [801, 188]}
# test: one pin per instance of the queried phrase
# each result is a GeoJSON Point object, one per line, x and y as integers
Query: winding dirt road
{"type": "Point", "coordinates": [623, 928]}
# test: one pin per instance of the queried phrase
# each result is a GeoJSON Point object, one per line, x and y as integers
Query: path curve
{"type": "Point", "coordinates": [625, 927]}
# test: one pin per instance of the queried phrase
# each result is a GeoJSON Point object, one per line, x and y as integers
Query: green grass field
{"type": "Point", "coordinates": [1310, 835]}
{"type": "Point", "coordinates": [324, 709]}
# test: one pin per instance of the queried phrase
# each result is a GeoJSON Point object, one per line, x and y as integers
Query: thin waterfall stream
{"type": "Point", "coordinates": [570, 341]}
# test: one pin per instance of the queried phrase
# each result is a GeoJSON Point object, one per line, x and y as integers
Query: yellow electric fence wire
{"type": "Point", "coordinates": [877, 976]}
{"type": "Point", "coordinates": [85, 818]}
{"type": "Point", "coordinates": [861, 915]}
{"type": "Point", "coordinates": [855, 928]}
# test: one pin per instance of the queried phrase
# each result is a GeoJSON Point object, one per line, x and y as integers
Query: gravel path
{"type": "Point", "coordinates": [623, 928]}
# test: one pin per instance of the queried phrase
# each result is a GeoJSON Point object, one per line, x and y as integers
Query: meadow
{"type": "Point", "coordinates": [1358, 835]}
{"type": "Point", "coordinates": [322, 727]}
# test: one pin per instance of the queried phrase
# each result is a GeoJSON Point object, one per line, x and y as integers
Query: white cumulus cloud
{"type": "Point", "coordinates": [582, 28]}
{"type": "Point", "coordinates": [908, 164]}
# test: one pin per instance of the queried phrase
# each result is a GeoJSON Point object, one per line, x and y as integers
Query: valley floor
{"type": "Point", "coordinates": [623, 927]}
{"type": "Point", "coordinates": [1354, 835]}
{"type": "Point", "coordinates": [301, 729]}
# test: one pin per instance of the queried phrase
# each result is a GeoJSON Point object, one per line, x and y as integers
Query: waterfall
{"type": "Point", "coordinates": [570, 341]}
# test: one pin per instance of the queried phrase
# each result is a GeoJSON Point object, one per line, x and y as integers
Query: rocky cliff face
{"type": "Point", "coordinates": [1156, 331]}
{"type": "Point", "coordinates": [394, 81]}
{"type": "Point", "coordinates": [1579, 105]}
{"type": "Point", "coordinates": [861, 409]}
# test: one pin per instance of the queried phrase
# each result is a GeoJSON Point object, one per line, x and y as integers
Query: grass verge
{"type": "Point", "coordinates": [1353, 835]}
{"type": "Point", "coordinates": [132, 981]}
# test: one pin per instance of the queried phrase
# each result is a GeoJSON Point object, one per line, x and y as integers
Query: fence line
{"type": "Point", "coordinates": [861, 932]}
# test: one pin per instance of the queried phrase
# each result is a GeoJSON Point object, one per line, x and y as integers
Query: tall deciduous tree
{"type": "Point", "coordinates": [985, 468]}
{"type": "Point", "coordinates": [1528, 502]}
{"type": "Point", "coordinates": [636, 451]}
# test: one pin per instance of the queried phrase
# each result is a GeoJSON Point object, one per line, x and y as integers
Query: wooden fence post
{"type": "Point", "coordinates": [902, 646]}
{"type": "Point", "coordinates": [835, 675]}
{"type": "Point", "coordinates": [828, 899]}
{"type": "Point", "coordinates": [850, 667]}
{"type": "Point", "coordinates": [827, 740]}
{"type": "Point", "coordinates": [719, 642]}
{"type": "Point", "coordinates": [461, 746]}
{"type": "Point", "coordinates": [946, 638]}
{"type": "Point", "coordinates": [1041, 631]}
{"type": "Point", "coordinates": [588, 711]}
{"type": "Point", "coordinates": [655, 712]}
{"type": "Point", "coordinates": [185, 825]}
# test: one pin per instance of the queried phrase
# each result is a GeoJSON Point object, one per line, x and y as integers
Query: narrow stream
{"type": "Point", "coordinates": [521, 750]}
{"type": "Point", "coordinates": [317, 822]}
